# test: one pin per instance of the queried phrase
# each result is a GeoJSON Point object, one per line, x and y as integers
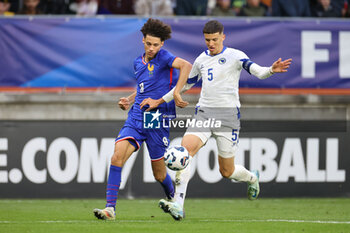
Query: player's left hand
{"type": "Point", "coordinates": [280, 66]}
{"type": "Point", "coordinates": [124, 103]}
{"type": "Point", "coordinates": [179, 102]}
{"type": "Point", "coordinates": [150, 102]}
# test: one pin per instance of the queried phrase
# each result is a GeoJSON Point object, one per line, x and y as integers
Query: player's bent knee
{"type": "Point", "coordinates": [192, 143]}
{"type": "Point", "coordinates": [122, 152]}
{"type": "Point", "coordinates": [191, 150]}
{"type": "Point", "coordinates": [117, 159]}
{"type": "Point", "coordinates": [160, 177]}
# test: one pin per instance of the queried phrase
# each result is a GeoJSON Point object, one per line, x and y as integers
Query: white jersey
{"type": "Point", "coordinates": [220, 76]}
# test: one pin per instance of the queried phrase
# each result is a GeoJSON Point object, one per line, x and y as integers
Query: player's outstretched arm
{"type": "Point", "coordinates": [280, 66]}
{"type": "Point", "coordinates": [263, 72]}
{"type": "Point", "coordinates": [125, 102]}
{"type": "Point", "coordinates": [185, 68]}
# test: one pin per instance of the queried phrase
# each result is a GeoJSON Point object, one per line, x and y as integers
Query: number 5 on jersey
{"type": "Point", "coordinates": [234, 135]}
{"type": "Point", "coordinates": [210, 74]}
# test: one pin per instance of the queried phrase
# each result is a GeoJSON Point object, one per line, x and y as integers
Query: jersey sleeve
{"type": "Point", "coordinates": [168, 58]}
{"type": "Point", "coordinates": [242, 55]}
{"type": "Point", "coordinates": [253, 68]}
{"type": "Point", "coordinates": [244, 61]}
{"type": "Point", "coordinates": [195, 74]}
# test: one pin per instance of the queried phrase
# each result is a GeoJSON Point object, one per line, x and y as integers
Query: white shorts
{"type": "Point", "coordinates": [226, 136]}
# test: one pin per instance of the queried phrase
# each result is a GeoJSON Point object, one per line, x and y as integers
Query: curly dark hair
{"type": "Point", "coordinates": [156, 28]}
{"type": "Point", "coordinates": [213, 26]}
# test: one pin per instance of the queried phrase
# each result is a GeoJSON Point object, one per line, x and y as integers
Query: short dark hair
{"type": "Point", "coordinates": [156, 28]}
{"type": "Point", "coordinates": [213, 26]}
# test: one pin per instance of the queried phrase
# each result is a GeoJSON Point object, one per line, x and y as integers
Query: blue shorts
{"type": "Point", "coordinates": [157, 140]}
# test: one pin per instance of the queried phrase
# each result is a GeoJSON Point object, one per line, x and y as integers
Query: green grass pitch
{"type": "Point", "coordinates": [202, 215]}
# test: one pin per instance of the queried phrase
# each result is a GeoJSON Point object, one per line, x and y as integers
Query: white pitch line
{"type": "Point", "coordinates": [308, 221]}
{"type": "Point", "coordinates": [280, 220]}
{"type": "Point", "coordinates": [212, 220]}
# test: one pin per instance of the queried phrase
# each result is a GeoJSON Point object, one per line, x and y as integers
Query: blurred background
{"type": "Point", "coordinates": [255, 8]}
{"type": "Point", "coordinates": [64, 64]}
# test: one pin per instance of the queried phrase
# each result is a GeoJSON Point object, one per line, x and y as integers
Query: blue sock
{"type": "Point", "coordinates": [168, 187]}
{"type": "Point", "coordinates": [114, 178]}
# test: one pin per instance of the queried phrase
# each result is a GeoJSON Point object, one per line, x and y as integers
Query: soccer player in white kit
{"type": "Point", "coordinates": [219, 67]}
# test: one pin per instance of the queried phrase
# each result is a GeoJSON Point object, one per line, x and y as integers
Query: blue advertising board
{"type": "Point", "coordinates": [99, 52]}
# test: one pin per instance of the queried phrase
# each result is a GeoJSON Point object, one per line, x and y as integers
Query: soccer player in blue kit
{"type": "Point", "coordinates": [155, 74]}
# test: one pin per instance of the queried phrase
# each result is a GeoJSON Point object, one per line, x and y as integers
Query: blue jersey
{"type": "Point", "coordinates": [154, 79]}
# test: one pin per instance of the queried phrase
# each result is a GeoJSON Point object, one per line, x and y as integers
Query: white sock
{"type": "Point", "coordinates": [242, 174]}
{"type": "Point", "coordinates": [181, 181]}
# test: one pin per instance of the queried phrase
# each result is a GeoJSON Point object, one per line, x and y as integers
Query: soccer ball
{"type": "Point", "coordinates": [176, 158]}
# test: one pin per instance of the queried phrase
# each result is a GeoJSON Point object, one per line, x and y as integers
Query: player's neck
{"type": "Point", "coordinates": [147, 59]}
